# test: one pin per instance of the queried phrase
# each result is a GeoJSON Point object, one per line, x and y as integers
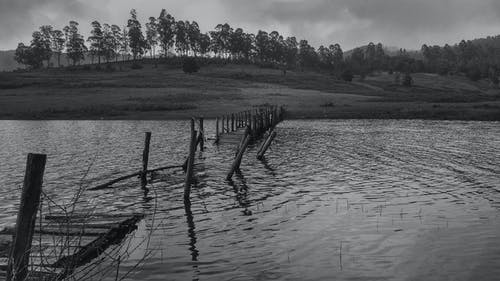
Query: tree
{"type": "Point", "coordinates": [193, 35]}
{"type": "Point", "coordinates": [75, 44]}
{"type": "Point", "coordinates": [109, 43]}
{"type": "Point", "coordinates": [307, 55]}
{"type": "Point", "coordinates": [117, 39]}
{"type": "Point", "coordinates": [96, 40]}
{"type": "Point", "coordinates": [42, 44]}
{"type": "Point", "coordinates": [291, 51]}
{"type": "Point", "coordinates": [262, 45]}
{"type": "Point", "coordinates": [34, 55]}
{"type": "Point", "coordinates": [221, 39]}
{"type": "Point", "coordinates": [24, 55]}
{"type": "Point", "coordinates": [124, 44]}
{"type": "Point", "coordinates": [204, 44]}
{"type": "Point", "coordinates": [166, 31]}
{"type": "Point", "coordinates": [337, 56]}
{"type": "Point", "coordinates": [181, 37]}
{"type": "Point", "coordinates": [57, 44]}
{"type": "Point", "coordinates": [136, 38]}
{"type": "Point", "coordinates": [152, 35]}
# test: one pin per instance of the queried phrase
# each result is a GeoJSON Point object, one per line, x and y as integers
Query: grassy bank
{"type": "Point", "coordinates": [165, 93]}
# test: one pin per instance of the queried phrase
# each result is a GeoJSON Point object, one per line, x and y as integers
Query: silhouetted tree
{"type": "Point", "coordinates": [57, 44]}
{"type": "Point", "coordinates": [152, 35]}
{"type": "Point", "coordinates": [137, 42]}
{"type": "Point", "coordinates": [75, 44]}
{"type": "Point", "coordinates": [166, 31]}
{"type": "Point", "coordinates": [96, 40]}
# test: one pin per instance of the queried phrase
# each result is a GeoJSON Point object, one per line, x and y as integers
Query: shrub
{"type": "Point", "coordinates": [190, 65]}
{"type": "Point", "coordinates": [136, 65]}
{"type": "Point", "coordinates": [347, 75]}
{"type": "Point", "coordinates": [474, 74]}
{"type": "Point", "coordinates": [110, 67]}
{"type": "Point", "coordinates": [407, 80]}
{"type": "Point", "coordinates": [98, 67]}
{"type": "Point", "coordinates": [86, 67]}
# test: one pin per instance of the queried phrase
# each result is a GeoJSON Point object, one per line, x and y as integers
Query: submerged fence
{"type": "Point", "coordinates": [245, 127]}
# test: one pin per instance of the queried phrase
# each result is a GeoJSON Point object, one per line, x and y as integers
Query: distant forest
{"type": "Point", "coordinates": [165, 37]}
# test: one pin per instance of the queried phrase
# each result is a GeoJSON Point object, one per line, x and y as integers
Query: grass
{"type": "Point", "coordinates": [167, 93]}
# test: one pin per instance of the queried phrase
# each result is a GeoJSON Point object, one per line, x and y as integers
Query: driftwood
{"type": "Point", "coordinates": [126, 177]}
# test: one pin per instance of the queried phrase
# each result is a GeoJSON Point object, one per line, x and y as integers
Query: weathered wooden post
{"type": "Point", "coordinates": [232, 122]}
{"type": "Point", "coordinates": [202, 135]}
{"type": "Point", "coordinates": [17, 268]}
{"type": "Point", "coordinates": [217, 130]}
{"type": "Point", "coordinates": [222, 123]}
{"type": "Point", "coordinates": [265, 145]}
{"type": "Point", "coordinates": [239, 156]}
{"type": "Point", "coordinates": [190, 166]}
{"type": "Point", "coordinates": [145, 159]}
{"type": "Point", "coordinates": [227, 123]}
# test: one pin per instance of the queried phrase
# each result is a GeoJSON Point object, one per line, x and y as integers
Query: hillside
{"type": "Point", "coordinates": [7, 62]}
{"type": "Point", "coordinates": [167, 93]}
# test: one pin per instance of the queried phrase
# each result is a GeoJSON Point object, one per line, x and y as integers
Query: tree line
{"type": "Point", "coordinates": [164, 36]}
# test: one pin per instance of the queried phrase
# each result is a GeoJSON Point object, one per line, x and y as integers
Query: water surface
{"type": "Point", "coordinates": [342, 200]}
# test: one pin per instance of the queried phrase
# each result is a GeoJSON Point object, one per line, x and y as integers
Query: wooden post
{"type": "Point", "coordinates": [222, 123]}
{"type": "Point", "coordinates": [145, 159]}
{"type": "Point", "coordinates": [190, 165]}
{"type": "Point", "coordinates": [232, 122]}
{"type": "Point", "coordinates": [217, 130]}
{"type": "Point", "coordinates": [227, 123]}
{"type": "Point", "coordinates": [237, 160]}
{"type": "Point", "coordinates": [265, 146]}
{"type": "Point", "coordinates": [202, 135]}
{"type": "Point", "coordinates": [240, 145]}
{"type": "Point", "coordinates": [185, 164]}
{"type": "Point", "coordinates": [17, 269]}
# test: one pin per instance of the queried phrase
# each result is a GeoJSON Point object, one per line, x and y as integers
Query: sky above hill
{"type": "Point", "coordinates": [403, 23]}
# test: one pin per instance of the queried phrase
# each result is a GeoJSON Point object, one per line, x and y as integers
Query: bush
{"type": "Point", "coordinates": [407, 80]}
{"type": "Point", "coordinates": [347, 75]}
{"type": "Point", "coordinates": [136, 65]}
{"type": "Point", "coordinates": [474, 74]}
{"type": "Point", "coordinates": [98, 67]}
{"type": "Point", "coordinates": [86, 67]}
{"type": "Point", "coordinates": [190, 65]}
{"type": "Point", "coordinates": [110, 67]}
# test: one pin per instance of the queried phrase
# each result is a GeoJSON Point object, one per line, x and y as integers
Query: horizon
{"type": "Point", "coordinates": [353, 25]}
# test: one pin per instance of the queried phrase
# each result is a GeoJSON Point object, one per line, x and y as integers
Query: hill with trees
{"type": "Point", "coordinates": [164, 36]}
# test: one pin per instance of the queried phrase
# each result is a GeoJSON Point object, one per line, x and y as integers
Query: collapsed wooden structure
{"type": "Point", "coordinates": [53, 246]}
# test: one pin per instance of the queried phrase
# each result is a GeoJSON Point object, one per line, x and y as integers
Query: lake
{"type": "Point", "coordinates": [333, 200]}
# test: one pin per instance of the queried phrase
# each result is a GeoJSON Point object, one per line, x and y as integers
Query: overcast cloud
{"type": "Point", "coordinates": [401, 23]}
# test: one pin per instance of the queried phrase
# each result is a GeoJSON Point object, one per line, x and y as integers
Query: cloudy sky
{"type": "Point", "coordinates": [401, 23]}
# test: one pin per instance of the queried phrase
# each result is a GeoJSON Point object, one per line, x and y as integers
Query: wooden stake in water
{"type": "Point", "coordinates": [190, 166]}
{"type": "Point", "coordinates": [239, 156]}
{"type": "Point", "coordinates": [265, 145]}
{"type": "Point", "coordinates": [145, 159]}
{"type": "Point", "coordinates": [217, 130]}
{"type": "Point", "coordinates": [202, 135]}
{"type": "Point", "coordinates": [17, 268]}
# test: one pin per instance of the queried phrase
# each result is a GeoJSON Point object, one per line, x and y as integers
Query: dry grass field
{"type": "Point", "coordinates": [165, 93]}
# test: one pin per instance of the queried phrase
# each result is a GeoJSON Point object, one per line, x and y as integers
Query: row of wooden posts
{"type": "Point", "coordinates": [257, 120]}
{"type": "Point", "coordinates": [256, 123]}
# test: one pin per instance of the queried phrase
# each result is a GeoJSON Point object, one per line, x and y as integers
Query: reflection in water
{"type": "Point", "coordinates": [192, 238]}
{"type": "Point", "coordinates": [344, 200]}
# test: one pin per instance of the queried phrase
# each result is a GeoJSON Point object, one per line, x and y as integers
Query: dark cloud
{"type": "Point", "coordinates": [352, 22]}
{"type": "Point", "coordinates": [404, 23]}
{"type": "Point", "coordinates": [19, 18]}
